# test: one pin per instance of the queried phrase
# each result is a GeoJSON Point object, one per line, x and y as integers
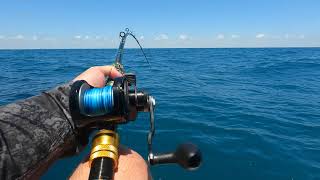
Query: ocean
{"type": "Point", "coordinates": [254, 113]}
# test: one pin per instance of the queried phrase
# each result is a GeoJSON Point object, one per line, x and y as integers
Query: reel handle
{"type": "Point", "coordinates": [187, 155]}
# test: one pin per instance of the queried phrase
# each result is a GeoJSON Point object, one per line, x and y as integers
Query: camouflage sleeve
{"type": "Point", "coordinates": [34, 133]}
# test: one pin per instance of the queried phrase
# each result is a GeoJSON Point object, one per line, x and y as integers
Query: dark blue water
{"type": "Point", "coordinates": [255, 113]}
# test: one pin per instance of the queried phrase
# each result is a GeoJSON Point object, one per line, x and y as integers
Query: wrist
{"type": "Point", "coordinates": [61, 96]}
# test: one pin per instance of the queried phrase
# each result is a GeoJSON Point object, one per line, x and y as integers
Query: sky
{"type": "Point", "coordinates": [33, 24]}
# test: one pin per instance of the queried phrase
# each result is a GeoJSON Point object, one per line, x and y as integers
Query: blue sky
{"type": "Point", "coordinates": [96, 23]}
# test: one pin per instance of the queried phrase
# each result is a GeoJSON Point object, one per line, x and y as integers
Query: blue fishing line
{"type": "Point", "coordinates": [98, 101]}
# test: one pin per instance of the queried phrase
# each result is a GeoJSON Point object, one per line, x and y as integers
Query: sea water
{"type": "Point", "coordinates": [254, 113]}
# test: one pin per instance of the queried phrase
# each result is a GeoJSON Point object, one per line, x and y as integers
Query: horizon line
{"type": "Point", "coordinates": [266, 47]}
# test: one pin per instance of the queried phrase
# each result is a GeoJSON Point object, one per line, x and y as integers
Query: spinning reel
{"type": "Point", "coordinates": [117, 103]}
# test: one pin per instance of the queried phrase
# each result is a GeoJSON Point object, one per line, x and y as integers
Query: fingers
{"type": "Point", "coordinates": [110, 71]}
{"type": "Point", "coordinates": [95, 76]}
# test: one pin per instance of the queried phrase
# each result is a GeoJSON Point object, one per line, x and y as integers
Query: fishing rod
{"type": "Point", "coordinates": [117, 103]}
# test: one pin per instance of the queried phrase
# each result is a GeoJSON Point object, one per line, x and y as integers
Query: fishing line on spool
{"type": "Point", "coordinates": [98, 101]}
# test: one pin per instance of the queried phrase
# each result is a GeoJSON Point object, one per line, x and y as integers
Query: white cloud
{"type": "Point", "coordinates": [2, 37]}
{"type": "Point", "coordinates": [19, 36]}
{"type": "Point", "coordinates": [161, 37]}
{"type": "Point", "coordinates": [220, 36]}
{"type": "Point", "coordinates": [85, 37]}
{"type": "Point", "coordinates": [259, 36]}
{"type": "Point", "coordinates": [141, 38]}
{"type": "Point", "coordinates": [183, 37]}
{"type": "Point", "coordinates": [294, 36]}
{"type": "Point", "coordinates": [77, 37]}
{"type": "Point", "coordinates": [34, 38]}
{"type": "Point", "coordinates": [234, 36]}
{"type": "Point", "coordinates": [97, 37]}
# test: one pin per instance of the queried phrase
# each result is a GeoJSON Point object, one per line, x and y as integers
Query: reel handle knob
{"type": "Point", "coordinates": [187, 155]}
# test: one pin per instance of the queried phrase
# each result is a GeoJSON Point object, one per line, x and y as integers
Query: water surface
{"type": "Point", "coordinates": [255, 113]}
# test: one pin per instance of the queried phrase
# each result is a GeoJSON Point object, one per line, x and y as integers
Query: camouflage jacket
{"type": "Point", "coordinates": [34, 133]}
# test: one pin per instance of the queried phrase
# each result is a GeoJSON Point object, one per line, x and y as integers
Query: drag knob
{"type": "Point", "coordinates": [186, 155]}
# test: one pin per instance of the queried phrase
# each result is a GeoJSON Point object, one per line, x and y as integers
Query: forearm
{"type": "Point", "coordinates": [34, 133]}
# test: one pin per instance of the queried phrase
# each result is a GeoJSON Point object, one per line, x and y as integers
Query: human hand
{"type": "Point", "coordinates": [131, 165]}
{"type": "Point", "coordinates": [96, 76]}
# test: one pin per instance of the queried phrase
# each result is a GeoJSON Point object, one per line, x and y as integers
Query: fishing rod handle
{"type": "Point", "coordinates": [104, 155]}
{"type": "Point", "coordinates": [102, 169]}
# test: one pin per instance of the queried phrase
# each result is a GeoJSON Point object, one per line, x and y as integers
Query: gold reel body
{"type": "Point", "coordinates": [105, 144]}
